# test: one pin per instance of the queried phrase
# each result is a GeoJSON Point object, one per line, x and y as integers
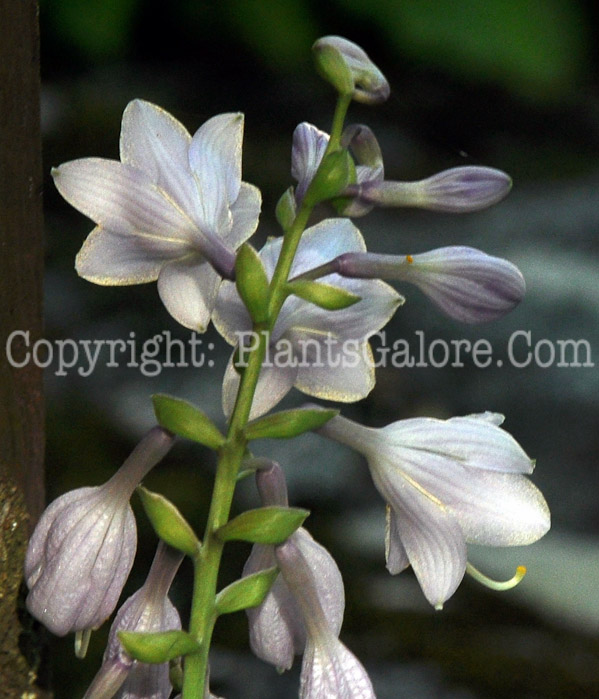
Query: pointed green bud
{"type": "Point", "coordinates": [252, 282]}
{"type": "Point", "coordinates": [286, 209]}
{"type": "Point", "coordinates": [157, 647]}
{"type": "Point", "coordinates": [247, 592]}
{"type": "Point", "coordinates": [349, 69]}
{"type": "Point", "coordinates": [186, 420]}
{"type": "Point", "coordinates": [335, 173]}
{"type": "Point", "coordinates": [332, 66]}
{"type": "Point", "coordinates": [288, 423]}
{"type": "Point", "coordinates": [264, 525]}
{"type": "Point", "coordinates": [169, 524]}
{"type": "Point", "coordinates": [327, 296]}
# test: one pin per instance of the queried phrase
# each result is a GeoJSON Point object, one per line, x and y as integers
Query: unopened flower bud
{"type": "Point", "coordinates": [465, 283]}
{"type": "Point", "coordinates": [347, 67]}
{"type": "Point", "coordinates": [458, 190]}
{"type": "Point", "coordinates": [82, 549]}
{"type": "Point", "coordinates": [149, 609]}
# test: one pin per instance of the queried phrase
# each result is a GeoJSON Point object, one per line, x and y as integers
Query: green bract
{"type": "Point", "coordinates": [186, 420]}
{"type": "Point", "coordinates": [247, 592]}
{"type": "Point", "coordinates": [265, 525]}
{"type": "Point", "coordinates": [169, 524]}
{"type": "Point", "coordinates": [288, 423]}
{"type": "Point", "coordinates": [158, 647]}
{"type": "Point", "coordinates": [252, 282]}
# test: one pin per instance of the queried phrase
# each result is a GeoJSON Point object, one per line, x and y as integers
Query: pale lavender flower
{"type": "Point", "coordinates": [463, 282]}
{"type": "Point", "coordinates": [447, 483]}
{"type": "Point", "coordinates": [322, 353]}
{"type": "Point", "coordinates": [174, 209]}
{"type": "Point", "coordinates": [83, 546]}
{"type": "Point", "coordinates": [329, 669]}
{"type": "Point", "coordinates": [369, 85]}
{"type": "Point", "coordinates": [277, 629]}
{"type": "Point", "coordinates": [147, 610]}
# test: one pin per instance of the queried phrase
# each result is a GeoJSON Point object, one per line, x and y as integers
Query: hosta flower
{"type": "Point", "coordinates": [463, 282]}
{"type": "Point", "coordinates": [277, 629]}
{"type": "Point", "coordinates": [447, 483]}
{"type": "Point", "coordinates": [174, 209]}
{"type": "Point", "coordinates": [329, 669]}
{"type": "Point", "coordinates": [322, 353]}
{"type": "Point", "coordinates": [83, 546]}
{"type": "Point", "coordinates": [148, 610]}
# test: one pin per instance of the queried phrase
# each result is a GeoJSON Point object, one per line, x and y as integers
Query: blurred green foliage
{"type": "Point", "coordinates": [534, 48]}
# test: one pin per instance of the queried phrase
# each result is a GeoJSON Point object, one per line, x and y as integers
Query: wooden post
{"type": "Point", "coordinates": [21, 268]}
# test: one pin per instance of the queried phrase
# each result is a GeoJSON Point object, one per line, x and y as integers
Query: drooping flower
{"type": "Point", "coordinates": [329, 669]}
{"type": "Point", "coordinates": [465, 283]}
{"type": "Point", "coordinates": [277, 629]}
{"type": "Point", "coordinates": [322, 353]}
{"type": "Point", "coordinates": [83, 546]}
{"type": "Point", "coordinates": [447, 483]}
{"type": "Point", "coordinates": [174, 209]}
{"type": "Point", "coordinates": [147, 610]}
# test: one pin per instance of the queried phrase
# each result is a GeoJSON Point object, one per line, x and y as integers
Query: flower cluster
{"type": "Point", "coordinates": [175, 210]}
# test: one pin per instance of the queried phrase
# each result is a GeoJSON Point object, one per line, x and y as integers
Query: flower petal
{"type": "Point", "coordinates": [432, 538]}
{"type": "Point", "coordinates": [309, 145]}
{"type": "Point", "coordinates": [215, 160]}
{"type": "Point", "coordinates": [395, 552]}
{"type": "Point", "coordinates": [155, 142]}
{"type": "Point", "coordinates": [329, 669]}
{"type": "Point", "coordinates": [275, 382]}
{"type": "Point", "coordinates": [108, 258]}
{"type": "Point", "coordinates": [122, 199]}
{"type": "Point", "coordinates": [245, 211]}
{"type": "Point", "coordinates": [188, 289]}
{"type": "Point", "coordinates": [462, 441]}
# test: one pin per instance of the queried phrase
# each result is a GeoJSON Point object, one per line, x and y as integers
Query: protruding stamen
{"type": "Point", "coordinates": [82, 642]}
{"type": "Point", "coordinates": [496, 584]}
{"type": "Point", "coordinates": [409, 259]}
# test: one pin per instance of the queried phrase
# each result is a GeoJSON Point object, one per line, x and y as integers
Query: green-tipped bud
{"type": "Point", "coordinates": [347, 67]}
{"type": "Point", "coordinates": [286, 209]}
{"type": "Point", "coordinates": [252, 283]}
{"type": "Point", "coordinates": [335, 173]}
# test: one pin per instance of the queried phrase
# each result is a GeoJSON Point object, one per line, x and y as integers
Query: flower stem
{"type": "Point", "coordinates": [207, 562]}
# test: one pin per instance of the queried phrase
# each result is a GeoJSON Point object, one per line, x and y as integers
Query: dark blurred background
{"type": "Point", "coordinates": [513, 84]}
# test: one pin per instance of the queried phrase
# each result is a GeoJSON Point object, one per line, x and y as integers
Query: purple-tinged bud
{"type": "Point", "coordinates": [277, 631]}
{"type": "Point", "coordinates": [147, 610]}
{"type": "Point", "coordinates": [347, 67]}
{"type": "Point", "coordinates": [329, 669]}
{"type": "Point", "coordinates": [465, 283]}
{"type": "Point", "coordinates": [307, 150]}
{"type": "Point", "coordinates": [83, 547]}
{"type": "Point", "coordinates": [369, 165]}
{"type": "Point", "coordinates": [458, 190]}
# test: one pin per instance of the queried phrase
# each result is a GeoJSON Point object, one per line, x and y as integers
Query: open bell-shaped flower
{"type": "Point", "coordinates": [147, 610]}
{"type": "Point", "coordinates": [321, 352]}
{"type": "Point", "coordinates": [329, 669]}
{"type": "Point", "coordinates": [463, 282]}
{"type": "Point", "coordinates": [277, 629]}
{"type": "Point", "coordinates": [447, 483]}
{"type": "Point", "coordinates": [174, 209]}
{"type": "Point", "coordinates": [83, 546]}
